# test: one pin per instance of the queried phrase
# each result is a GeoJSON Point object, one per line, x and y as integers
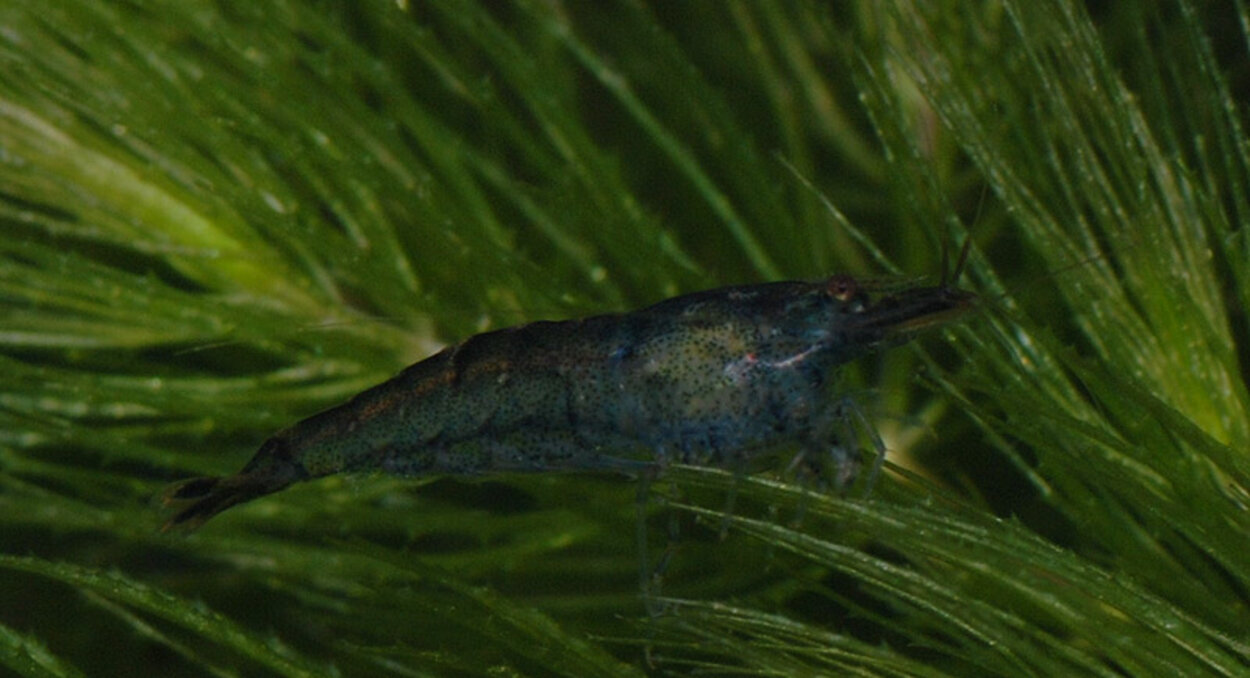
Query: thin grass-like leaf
{"type": "Point", "coordinates": [217, 219]}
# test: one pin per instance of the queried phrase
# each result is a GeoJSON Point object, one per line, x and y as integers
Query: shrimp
{"type": "Point", "coordinates": [725, 378]}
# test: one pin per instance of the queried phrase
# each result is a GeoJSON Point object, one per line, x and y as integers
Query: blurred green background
{"type": "Point", "coordinates": [217, 218]}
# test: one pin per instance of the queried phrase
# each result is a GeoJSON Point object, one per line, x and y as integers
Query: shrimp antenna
{"type": "Point", "coordinates": [946, 262]}
{"type": "Point", "coordinates": [959, 263]}
{"type": "Point", "coordinates": [950, 277]}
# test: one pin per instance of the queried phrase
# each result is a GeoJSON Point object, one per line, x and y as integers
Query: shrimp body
{"type": "Point", "coordinates": [721, 378]}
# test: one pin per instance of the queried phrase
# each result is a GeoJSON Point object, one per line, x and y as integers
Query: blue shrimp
{"type": "Point", "coordinates": [725, 378]}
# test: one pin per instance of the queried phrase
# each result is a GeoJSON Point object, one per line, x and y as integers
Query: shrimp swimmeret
{"type": "Point", "coordinates": [718, 378]}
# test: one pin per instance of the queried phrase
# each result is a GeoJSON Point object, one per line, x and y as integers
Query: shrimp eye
{"type": "Point", "coordinates": [842, 287]}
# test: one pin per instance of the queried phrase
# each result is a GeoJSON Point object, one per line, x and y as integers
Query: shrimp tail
{"type": "Point", "coordinates": [196, 500]}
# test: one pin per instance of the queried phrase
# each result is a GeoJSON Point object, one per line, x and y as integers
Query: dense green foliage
{"type": "Point", "coordinates": [216, 218]}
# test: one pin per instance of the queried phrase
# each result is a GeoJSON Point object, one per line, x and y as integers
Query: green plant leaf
{"type": "Point", "coordinates": [216, 219]}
